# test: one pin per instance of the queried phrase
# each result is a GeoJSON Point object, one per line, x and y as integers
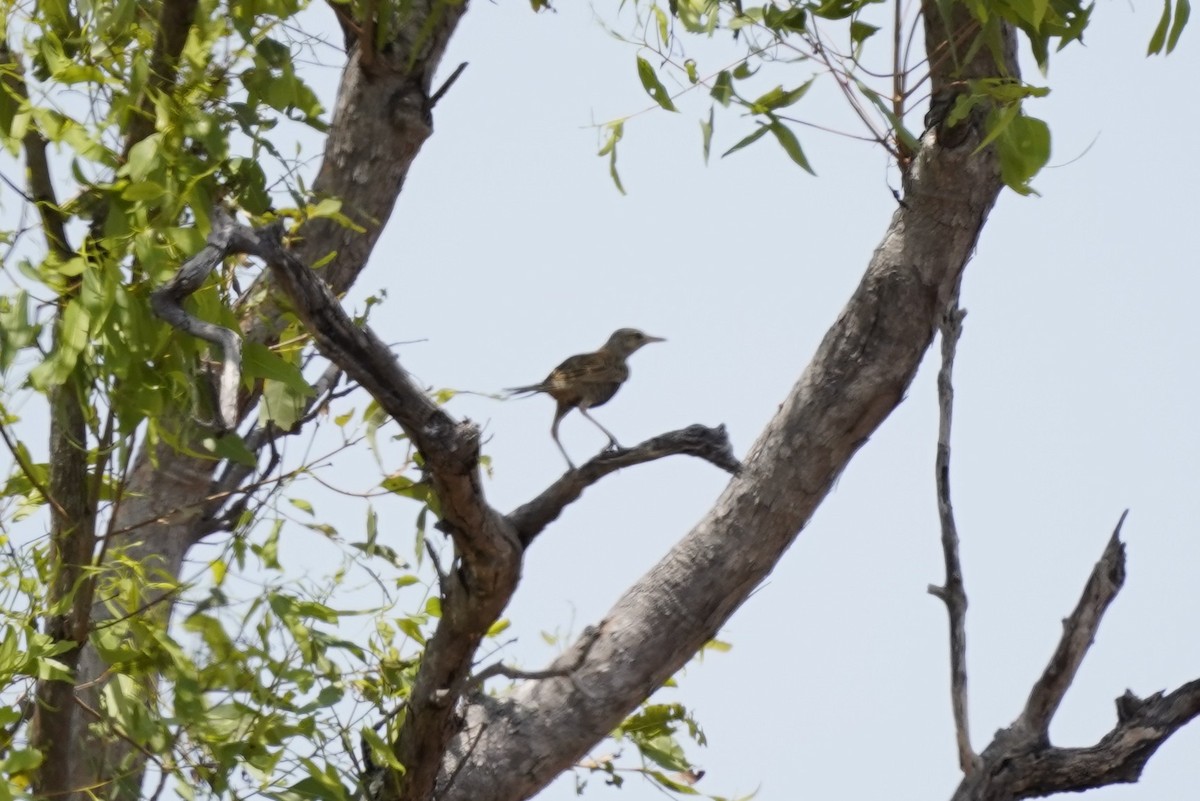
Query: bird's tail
{"type": "Point", "coordinates": [529, 390]}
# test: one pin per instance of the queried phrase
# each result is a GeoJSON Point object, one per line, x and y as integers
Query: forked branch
{"type": "Point", "coordinates": [1021, 763]}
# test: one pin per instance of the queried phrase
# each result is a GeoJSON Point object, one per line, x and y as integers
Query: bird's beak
{"type": "Point", "coordinates": [655, 339]}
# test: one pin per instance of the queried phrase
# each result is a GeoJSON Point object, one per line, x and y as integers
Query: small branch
{"type": "Point", "coordinates": [952, 593]}
{"type": "Point", "coordinates": [583, 646]}
{"type": "Point", "coordinates": [235, 474]}
{"type": "Point", "coordinates": [437, 566]}
{"type": "Point", "coordinates": [440, 93]}
{"type": "Point", "coordinates": [167, 303]}
{"type": "Point", "coordinates": [1079, 632]}
{"type": "Point", "coordinates": [710, 444]}
{"type": "Point", "coordinates": [501, 669]}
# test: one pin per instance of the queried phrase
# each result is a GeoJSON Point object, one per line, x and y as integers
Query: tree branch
{"type": "Point", "coordinates": [1079, 632]}
{"type": "Point", "coordinates": [487, 547]}
{"type": "Point", "coordinates": [952, 592]}
{"type": "Point", "coordinates": [710, 444]}
{"type": "Point", "coordinates": [1120, 756]}
{"type": "Point", "coordinates": [167, 303]}
{"type": "Point", "coordinates": [1021, 763]}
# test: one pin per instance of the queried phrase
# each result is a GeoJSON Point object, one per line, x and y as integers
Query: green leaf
{"type": "Point", "coordinates": [661, 17]}
{"type": "Point", "coordinates": [790, 144]}
{"type": "Point", "coordinates": [232, 447]}
{"type": "Point", "coordinates": [788, 19]}
{"type": "Point", "coordinates": [1183, 10]}
{"type": "Point", "coordinates": [615, 131]}
{"type": "Point", "coordinates": [653, 86]}
{"type": "Point", "coordinates": [1160, 33]}
{"type": "Point", "coordinates": [1023, 149]}
{"type": "Point", "coordinates": [412, 628]}
{"type": "Point", "coordinates": [72, 338]}
{"type": "Point", "coordinates": [144, 190]}
{"type": "Point", "coordinates": [706, 129]}
{"type": "Point", "coordinates": [749, 140]}
{"type": "Point", "coordinates": [21, 760]}
{"type": "Point", "coordinates": [302, 504]}
{"type": "Point", "coordinates": [381, 753]}
{"type": "Point", "coordinates": [722, 90]}
{"type": "Point", "coordinates": [779, 98]}
{"type": "Point", "coordinates": [282, 405]}
{"type": "Point", "coordinates": [259, 361]}
{"type": "Point", "coordinates": [143, 158]}
{"type": "Point", "coordinates": [861, 32]}
{"type": "Point", "coordinates": [690, 66]}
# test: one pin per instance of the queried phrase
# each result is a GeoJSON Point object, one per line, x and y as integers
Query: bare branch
{"type": "Point", "coordinates": [710, 444]}
{"type": "Point", "coordinates": [952, 593]}
{"type": "Point", "coordinates": [1121, 755]}
{"type": "Point", "coordinates": [1021, 763]}
{"type": "Point", "coordinates": [167, 303]}
{"type": "Point", "coordinates": [500, 669]}
{"type": "Point", "coordinates": [445, 87]}
{"type": "Point", "coordinates": [1079, 632]}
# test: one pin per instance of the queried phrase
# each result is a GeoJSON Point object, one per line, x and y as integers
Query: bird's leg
{"type": "Point", "coordinates": [612, 441]}
{"type": "Point", "coordinates": [558, 416]}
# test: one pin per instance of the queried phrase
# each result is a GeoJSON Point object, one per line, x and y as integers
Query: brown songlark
{"type": "Point", "coordinates": [588, 380]}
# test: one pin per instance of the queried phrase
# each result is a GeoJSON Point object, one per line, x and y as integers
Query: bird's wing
{"type": "Point", "coordinates": [587, 368]}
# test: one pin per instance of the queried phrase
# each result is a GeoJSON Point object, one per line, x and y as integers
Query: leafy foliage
{"type": "Point", "coordinates": [837, 41]}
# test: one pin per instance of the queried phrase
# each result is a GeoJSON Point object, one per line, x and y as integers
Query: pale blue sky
{"type": "Point", "coordinates": [510, 249]}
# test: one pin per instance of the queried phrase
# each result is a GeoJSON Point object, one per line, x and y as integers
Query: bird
{"type": "Point", "coordinates": [588, 380]}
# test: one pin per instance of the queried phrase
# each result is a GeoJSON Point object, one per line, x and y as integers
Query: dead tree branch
{"type": "Point", "coordinates": [1079, 632]}
{"type": "Point", "coordinates": [952, 592]}
{"type": "Point", "coordinates": [710, 444]}
{"type": "Point", "coordinates": [1021, 763]}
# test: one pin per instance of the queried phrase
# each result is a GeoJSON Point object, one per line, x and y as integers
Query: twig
{"type": "Point", "coordinates": [1079, 632]}
{"type": "Point", "coordinates": [586, 639]}
{"type": "Point", "coordinates": [445, 87]}
{"type": "Point", "coordinates": [952, 593]}
{"type": "Point", "coordinates": [437, 565]}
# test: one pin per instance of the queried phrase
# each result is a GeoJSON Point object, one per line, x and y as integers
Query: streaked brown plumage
{"type": "Point", "coordinates": [588, 380]}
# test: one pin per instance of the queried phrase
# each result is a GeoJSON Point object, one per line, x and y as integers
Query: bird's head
{"type": "Point", "coordinates": [625, 341]}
